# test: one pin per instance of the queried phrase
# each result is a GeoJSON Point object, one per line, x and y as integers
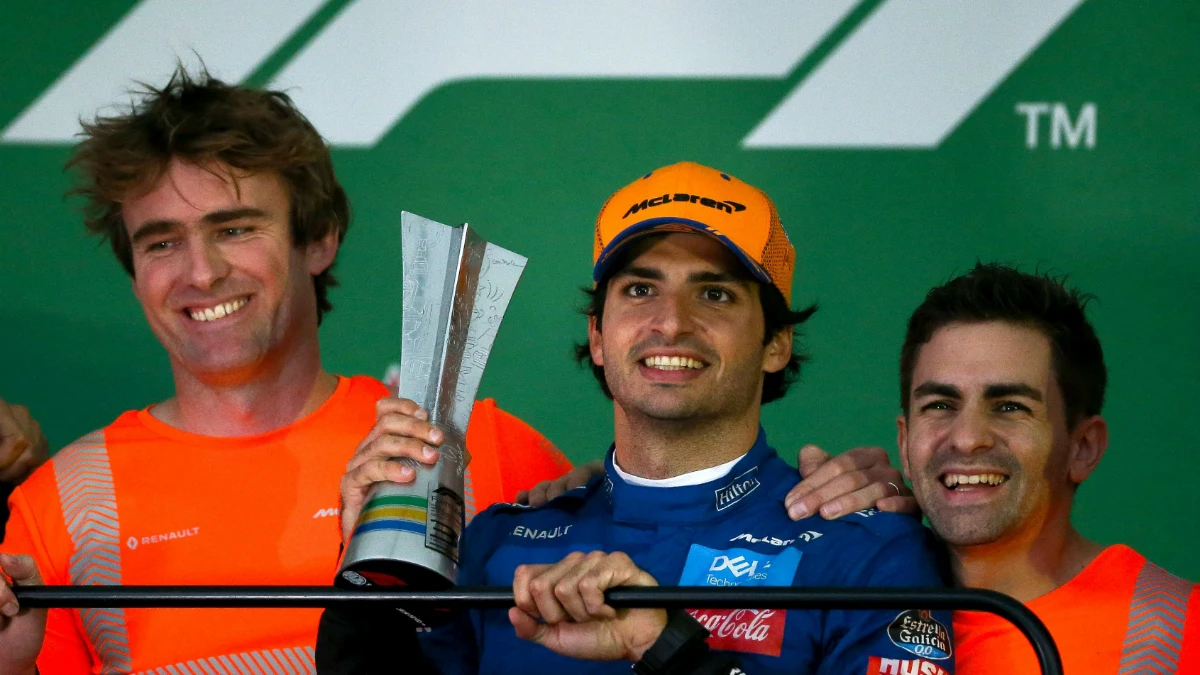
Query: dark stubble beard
{"type": "Point", "coordinates": [727, 399]}
{"type": "Point", "coordinates": [977, 524]}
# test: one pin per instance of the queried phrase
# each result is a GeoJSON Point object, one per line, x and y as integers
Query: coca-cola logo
{"type": "Point", "coordinates": [754, 631]}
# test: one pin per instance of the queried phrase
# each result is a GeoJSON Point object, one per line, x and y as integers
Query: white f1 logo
{"type": "Point", "coordinates": [905, 77]}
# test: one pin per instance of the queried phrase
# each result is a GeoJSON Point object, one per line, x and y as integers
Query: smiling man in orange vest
{"type": "Point", "coordinates": [222, 205]}
{"type": "Point", "coordinates": [1002, 382]}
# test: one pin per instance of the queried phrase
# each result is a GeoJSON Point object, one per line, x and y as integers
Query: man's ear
{"type": "Point", "coordinates": [1088, 441]}
{"type": "Point", "coordinates": [594, 342]}
{"type": "Point", "coordinates": [320, 253]}
{"type": "Point", "coordinates": [902, 443]}
{"type": "Point", "coordinates": [778, 351]}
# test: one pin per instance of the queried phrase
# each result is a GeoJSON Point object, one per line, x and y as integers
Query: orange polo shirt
{"type": "Point", "coordinates": [1121, 614]}
{"type": "Point", "coordinates": [140, 502]}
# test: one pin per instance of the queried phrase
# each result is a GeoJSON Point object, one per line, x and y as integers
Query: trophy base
{"type": "Point", "coordinates": [397, 574]}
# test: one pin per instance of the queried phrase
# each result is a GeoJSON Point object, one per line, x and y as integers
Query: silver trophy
{"type": "Point", "coordinates": [456, 289]}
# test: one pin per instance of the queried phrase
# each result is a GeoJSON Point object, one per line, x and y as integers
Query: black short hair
{"type": "Point", "coordinates": [995, 292]}
{"type": "Point", "coordinates": [777, 315]}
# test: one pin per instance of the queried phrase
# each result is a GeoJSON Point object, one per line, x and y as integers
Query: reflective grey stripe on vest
{"type": "Point", "coordinates": [1156, 617]}
{"type": "Point", "coordinates": [468, 495]}
{"type": "Point", "coordinates": [294, 661]}
{"type": "Point", "coordinates": [89, 508]}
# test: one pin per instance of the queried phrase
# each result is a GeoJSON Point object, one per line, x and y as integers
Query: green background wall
{"type": "Point", "coordinates": [529, 162]}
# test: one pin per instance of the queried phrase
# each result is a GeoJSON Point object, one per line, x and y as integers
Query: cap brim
{"type": "Point", "coordinates": [606, 258]}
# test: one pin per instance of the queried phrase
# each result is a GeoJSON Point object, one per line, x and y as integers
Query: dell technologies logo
{"type": "Point", "coordinates": [739, 566]}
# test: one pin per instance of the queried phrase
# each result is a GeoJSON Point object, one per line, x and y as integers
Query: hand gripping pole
{"type": "Point", "coordinates": [494, 597]}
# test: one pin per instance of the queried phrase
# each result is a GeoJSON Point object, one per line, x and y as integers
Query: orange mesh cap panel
{"type": "Point", "coordinates": [690, 197]}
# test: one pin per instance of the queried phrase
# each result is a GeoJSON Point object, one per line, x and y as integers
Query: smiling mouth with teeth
{"type": "Point", "coordinates": [672, 363]}
{"type": "Point", "coordinates": [218, 312]}
{"type": "Point", "coordinates": [955, 481]}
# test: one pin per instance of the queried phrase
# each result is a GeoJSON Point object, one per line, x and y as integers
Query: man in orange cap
{"type": "Point", "coordinates": [690, 332]}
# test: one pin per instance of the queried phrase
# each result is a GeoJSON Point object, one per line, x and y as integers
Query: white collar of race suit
{"type": "Point", "coordinates": [697, 477]}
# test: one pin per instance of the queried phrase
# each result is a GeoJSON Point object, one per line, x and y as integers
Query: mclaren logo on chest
{"type": "Point", "coordinates": [737, 490]}
{"type": "Point", "coordinates": [776, 541]}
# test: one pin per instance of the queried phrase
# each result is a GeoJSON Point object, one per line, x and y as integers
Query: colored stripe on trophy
{"type": "Point", "coordinates": [400, 513]}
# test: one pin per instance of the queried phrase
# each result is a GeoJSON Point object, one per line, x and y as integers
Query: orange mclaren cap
{"type": "Point", "coordinates": [688, 197]}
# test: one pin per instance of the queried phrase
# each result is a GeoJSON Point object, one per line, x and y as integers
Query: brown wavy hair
{"type": "Point", "coordinates": [202, 120]}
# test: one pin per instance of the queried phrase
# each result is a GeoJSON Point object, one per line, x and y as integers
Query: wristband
{"type": "Point", "coordinates": [680, 646]}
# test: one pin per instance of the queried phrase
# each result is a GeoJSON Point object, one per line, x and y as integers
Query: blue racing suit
{"type": "Point", "coordinates": [733, 531]}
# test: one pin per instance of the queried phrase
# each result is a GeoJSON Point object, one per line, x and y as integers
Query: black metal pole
{"type": "Point", "coordinates": [494, 597]}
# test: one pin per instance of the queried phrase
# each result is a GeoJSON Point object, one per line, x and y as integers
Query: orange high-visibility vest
{"type": "Point", "coordinates": [1120, 615]}
{"type": "Point", "coordinates": [140, 502]}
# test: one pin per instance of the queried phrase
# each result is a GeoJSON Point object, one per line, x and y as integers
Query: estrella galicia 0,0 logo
{"type": "Point", "coordinates": [917, 632]}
